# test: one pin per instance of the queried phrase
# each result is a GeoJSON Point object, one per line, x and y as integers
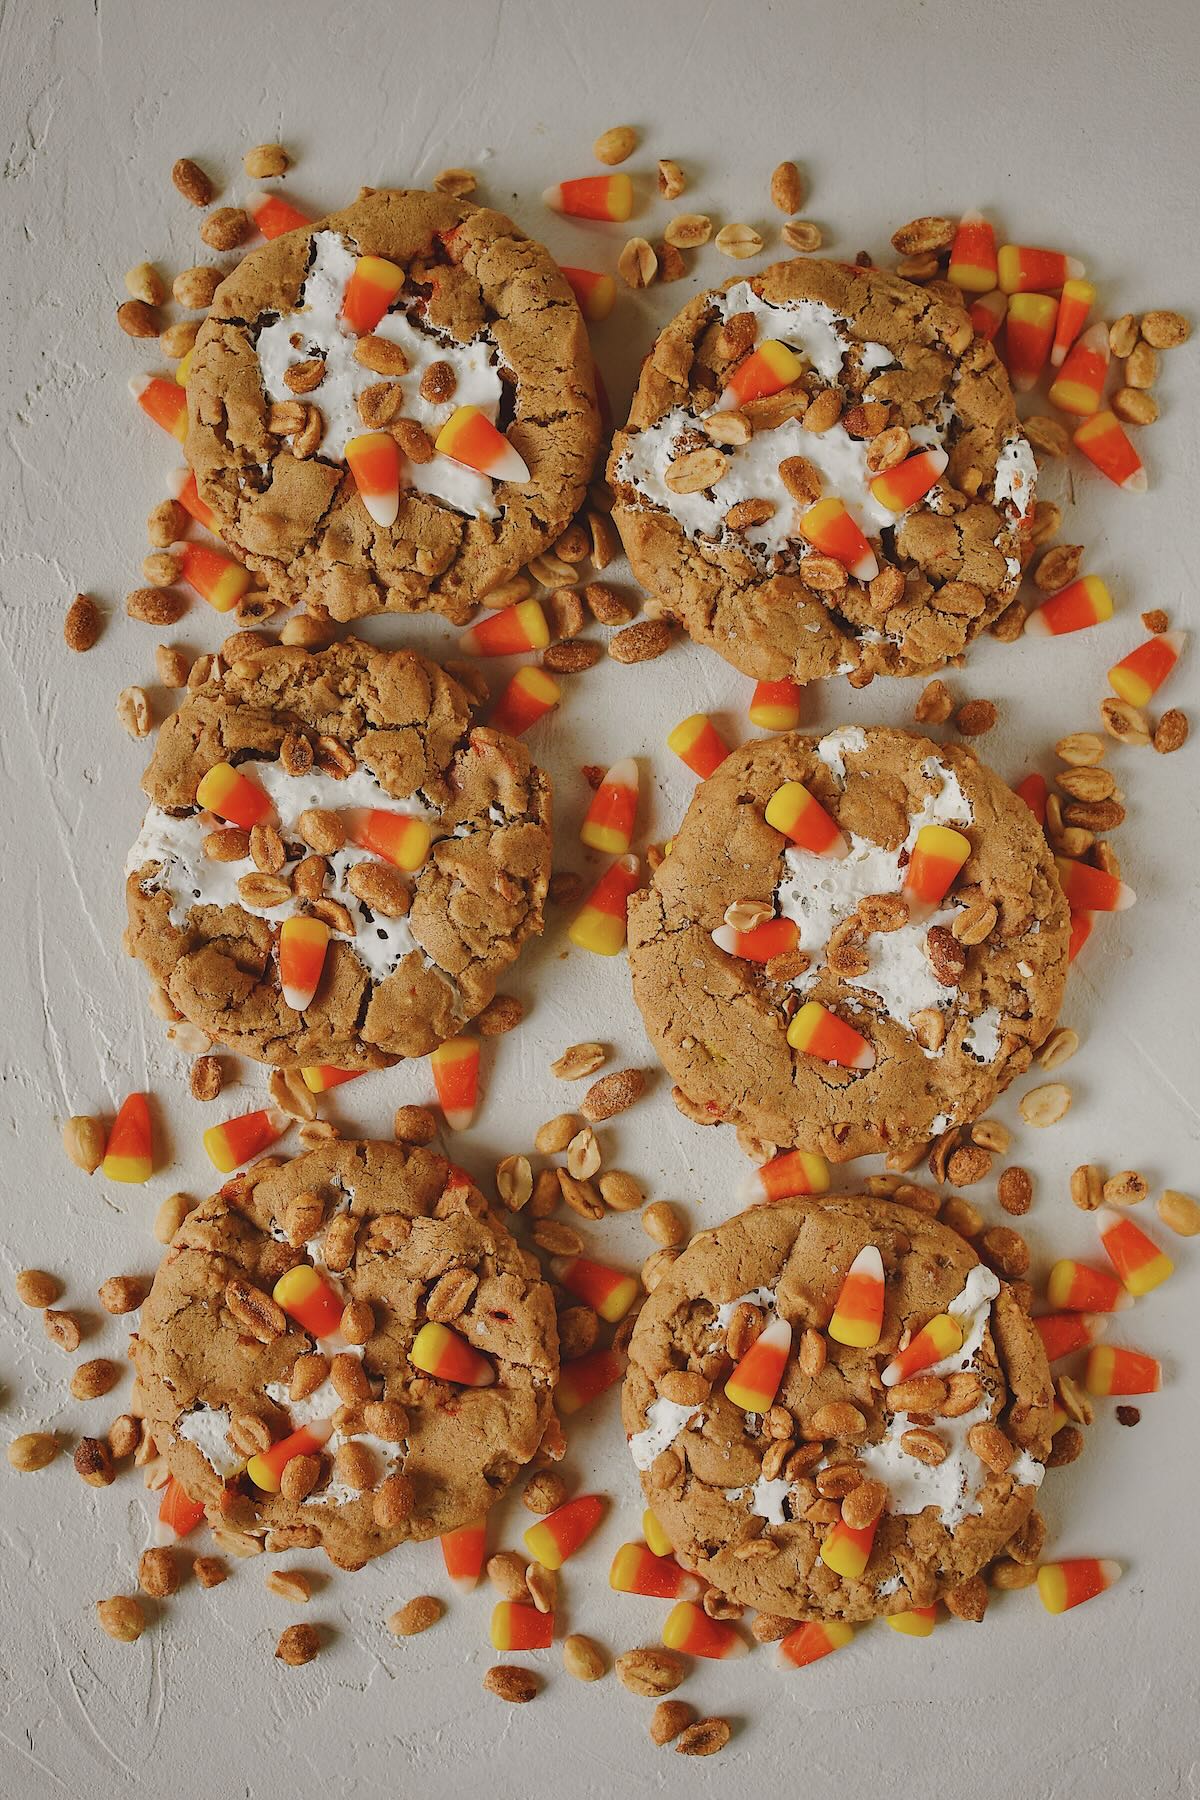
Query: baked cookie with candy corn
{"type": "Point", "coordinates": [336, 865]}
{"type": "Point", "coordinates": [823, 472]}
{"type": "Point", "coordinates": [393, 409]}
{"type": "Point", "coordinates": [348, 1350]}
{"type": "Point", "coordinates": [856, 942]}
{"type": "Point", "coordinates": [837, 1410]}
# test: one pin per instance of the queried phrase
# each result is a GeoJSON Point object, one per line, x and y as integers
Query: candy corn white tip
{"type": "Point", "coordinates": [725, 938]}
{"type": "Point", "coordinates": [868, 1262]}
{"type": "Point", "coordinates": [1074, 268]}
{"type": "Point", "coordinates": [383, 508]}
{"type": "Point", "coordinates": [866, 568]}
{"type": "Point", "coordinates": [458, 1118]}
{"type": "Point", "coordinates": [138, 384]}
{"type": "Point", "coordinates": [1036, 626]}
{"type": "Point", "coordinates": [553, 197]}
{"type": "Point", "coordinates": [1136, 483]}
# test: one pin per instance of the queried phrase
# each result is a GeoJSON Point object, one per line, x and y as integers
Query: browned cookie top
{"type": "Point", "coordinates": [716, 535]}
{"type": "Point", "coordinates": [277, 386]}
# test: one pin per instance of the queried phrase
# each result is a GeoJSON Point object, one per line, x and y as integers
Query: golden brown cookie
{"type": "Point", "coordinates": [281, 380]}
{"type": "Point", "coordinates": [401, 1238]}
{"type": "Point", "coordinates": [715, 494]}
{"type": "Point", "coordinates": [952, 1003]}
{"type": "Point", "coordinates": [748, 1498]}
{"type": "Point", "coordinates": [330, 737]}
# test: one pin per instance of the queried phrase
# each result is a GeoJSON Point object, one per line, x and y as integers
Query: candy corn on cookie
{"type": "Point", "coordinates": [292, 1374]}
{"type": "Point", "coordinates": [336, 866]}
{"type": "Point", "coordinates": [880, 1346]}
{"type": "Point", "coordinates": [393, 409]}
{"type": "Point", "coordinates": [822, 472]}
{"type": "Point", "coordinates": [856, 942]}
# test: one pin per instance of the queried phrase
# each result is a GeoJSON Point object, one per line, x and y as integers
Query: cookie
{"type": "Point", "coordinates": [402, 1236]}
{"type": "Point", "coordinates": [950, 1004]}
{"type": "Point", "coordinates": [329, 738]}
{"type": "Point", "coordinates": [732, 1489]}
{"type": "Point", "coordinates": [478, 315]}
{"type": "Point", "coordinates": [877, 371]}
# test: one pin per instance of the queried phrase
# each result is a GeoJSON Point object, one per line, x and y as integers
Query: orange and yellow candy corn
{"type": "Point", "coordinates": [463, 1551]}
{"type": "Point", "coordinates": [909, 481]}
{"type": "Point", "coordinates": [774, 937]}
{"type": "Point", "coordinates": [858, 1315]}
{"type": "Point", "coordinates": [399, 838]}
{"type": "Point", "coordinates": [1082, 603]}
{"type": "Point", "coordinates": [320, 1077]}
{"type": "Point", "coordinates": [183, 368]}
{"type": "Point", "coordinates": [303, 942]}
{"type": "Point", "coordinates": [273, 215]}
{"type": "Point", "coordinates": [1081, 930]}
{"type": "Point", "coordinates": [847, 1549]}
{"type": "Point", "coordinates": [754, 1383]}
{"type": "Point", "coordinates": [1112, 1370]}
{"type": "Point", "coordinates": [599, 925]}
{"type": "Point", "coordinates": [697, 742]}
{"type": "Point", "coordinates": [1065, 1332]}
{"type": "Point", "coordinates": [216, 577]}
{"type": "Point", "coordinates": [809, 1643]}
{"type": "Point", "coordinates": [306, 1296]}
{"type": "Point", "coordinates": [374, 461]}
{"type": "Point", "coordinates": [768, 369]}
{"type": "Point", "coordinates": [470, 438]}
{"type": "Point", "coordinates": [556, 1537]}
{"type": "Point", "coordinates": [371, 289]}
{"type": "Point", "coordinates": [442, 1353]}
{"type": "Point", "coordinates": [608, 1292]}
{"type": "Point", "coordinates": [790, 1173]}
{"type": "Point", "coordinates": [687, 1627]}
{"type": "Point", "coordinates": [129, 1152]}
{"type": "Point", "coordinates": [529, 696]}
{"type": "Point", "coordinates": [181, 486]}
{"type": "Point", "coordinates": [1108, 448]}
{"type": "Point", "coordinates": [234, 1142]}
{"type": "Point", "coordinates": [973, 255]}
{"type": "Point", "coordinates": [1139, 1262]}
{"type": "Point", "coordinates": [163, 401]}
{"type": "Point", "coordinates": [917, 1622]}
{"type": "Point", "coordinates": [794, 811]}
{"type": "Point", "coordinates": [592, 197]}
{"type": "Point", "coordinates": [1062, 1585]}
{"type": "Point", "coordinates": [636, 1570]}
{"type": "Point", "coordinates": [609, 822]}
{"type": "Point", "coordinates": [657, 1541]}
{"type": "Point", "coordinates": [1028, 334]}
{"type": "Point", "coordinates": [1075, 1287]}
{"type": "Point", "coordinates": [1073, 308]}
{"type": "Point", "coordinates": [516, 1626]}
{"type": "Point", "coordinates": [510, 631]}
{"type": "Point", "coordinates": [585, 1377]}
{"type": "Point", "coordinates": [775, 705]}
{"type": "Point", "coordinates": [1034, 791]}
{"type": "Point", "coordinates": [1138, 676]}
{"type": "Point", "coordinates": [596, 294]}
{"type": "Point", "coordinates": [1092, 890]}
{"type": "Point", "coordinates": [455, 1066]}
{"type": "Point", "coordinates": [987, 315]}
{"type": "Point", "coordinates": [232, 796]}
{"type": "Point", "coordinates": [1080, 382]}
{"type": "Point", "coordinates": [942, 1336]}
{"type": "Point", "coordinates": [266, 1470]}
{"type": "Point", "coordinates": [937, 858]}
{"type": "Point", "coordinates": [829, 528]}
{"type": "Point", "coordinates": [815, 1031]}
{"type": "Point", "coordinates": [177, 1511]}
{"type": "Point", "coordinates": [1021, 268]}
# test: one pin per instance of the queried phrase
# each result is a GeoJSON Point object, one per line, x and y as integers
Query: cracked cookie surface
{"type": "Point", "coordinates": [950, 1023]}
{"type": "Point", "coordinates": [330, 735]}
{"type": "Point", "coordinates": [702, 1462]}
{"type": "Point", "coordinates": [480, 300]}
{"type": "Point", "coordinates": [406, 1229]}
{"type": "Point", "coordinates": [729, 561]}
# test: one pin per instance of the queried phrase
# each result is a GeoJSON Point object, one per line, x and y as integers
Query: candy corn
{"type": "Point", "coordinates": [371, 289]}
{"type": "Point", "coordinates": [1081, 931]}
{"type": "Point", "coordinates": [266, 1470]}
{"type": "Point", "coordinates": [829, 528]}
{"type": "Point", "coordinates": [768, 369]}
{"type": "Point", "coordinates": [510, 631]}
{"type": "Point", "coordinates": [809, 1643]}
{"type": "Point", "coordinates": [470, 438]}
{"type": "Point", "coordinates": [183, 368]}
{"type": "Point", "coordinates": [529, 696]}
{"type": "Point", "coordinates": [308, 1297]}
{"type": "Point", "coordinates": [1022, 267]}
{"type": "Point", "coordinates": [775, 705]}
{"type": "Point", "coordinates": [163, 401]}
{"type": "Point", "coordinates": [463, 1551]}
{"type": "Point", "coordinates": [399, 838]}
{"type": "Point", "coordinates": [442, 1353]}
{"type": "Point", "coordinates": [609, 821]}
{"type": "Point", "coordinates": [1139, 1262]}
{"type": "Point", "coordinates": [1080, 382]}
{"type": "Point", "coordinates": [234, 1142]}
{"type": "Point", "coordinates": [177, 1511]}
{"type": "Point", "coordinates": [320, 1077]}
{"type": "Point", "coordinates": [1108, 448]}
{"type": "Point", "coordinates": [608, 1292]}
{"type": "Point", "coordinates": [790, 1173]}
{"type": "Point", "coordinates": [1034, 791]}
{"type": "Point", "coordinates": [918, 1622]}
{"type": "Point", "coordinates": [556, 1537]}
{"type": "Point", "coordinates": [596, 294]}
{"type": "Point", "coordinates": [942, 1336]}
{"type": "Point", "coordinates": [847, 1550]}
{"type": "Point", "coordinates": [937, 857]}
{"type": "Point", "coordinates": [696, 742]}
{"type": "Point", "coordinates": [273, 215]}
{"type": "Point", "coordinates": [1084, 602]}
{"type": "Point", "coordinates": [1062, 1585]}
{"type": "Point", "coordinates": [374, 461]}
{"type": "Point", "coordinates": [636, 1570]}
{"type": "Point", "coordinates": [987, 315]}
{"type": "Point", "coordinates": [1074, 1287]}
{"type": "Point", "coordinates": [216, 577]}
{"type": "Point", "coordinates": [687, 1627]}
{"type": "Point", "coordinates": [657, 1541]}
{"type": "Point", "coordinates": [815, 1031]}
{"type": "Point", "coordinates": [1092, 890]}
{"type": "Point", "coordinates": [754, 1383]}
{"type": "Point", "coordinates": [1065, 1332]}
{"type": "Point", "coordinates": [1073, 309]}
{"type": "Point", "coordinates": [233, 797]}
{"type": "Point", "coordinates": [858, 1315]}
{"type": "Point", "coordinates": [774, 937]}
{"type": "Point", "coordinates": [455, 1066]}
{"type": "Point", "coordinates": [599, 925]}
{"type": "Point", "coordinates": [973, 255]}
{"type": "Point", "coordinates": [794, 811]}
{"type": "Point", "coordinates": [1028, 334]}
{"type": "Point", "coordinates": [1111, 1370]}
{"type": "Point", "coordinates": [181, 486]}
{"type": "Point", "coordinates": [518, 1627]}
{"type": "Point", "coordinates": [129, 1152]}
{"type": "Point", "coordinates": [303, 942]}
{"type": "Point", "coordinates": [592, 197]}
{"type": "Point", "coordinates": [909, 481]}
{"type": "Point", "coordinates": [1138, 676]}
{"type": "Point", "coordinates": [585, 1377]}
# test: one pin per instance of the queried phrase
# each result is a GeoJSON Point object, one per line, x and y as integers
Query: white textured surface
{"type": "Point", "coordinates": [1073, 124]}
